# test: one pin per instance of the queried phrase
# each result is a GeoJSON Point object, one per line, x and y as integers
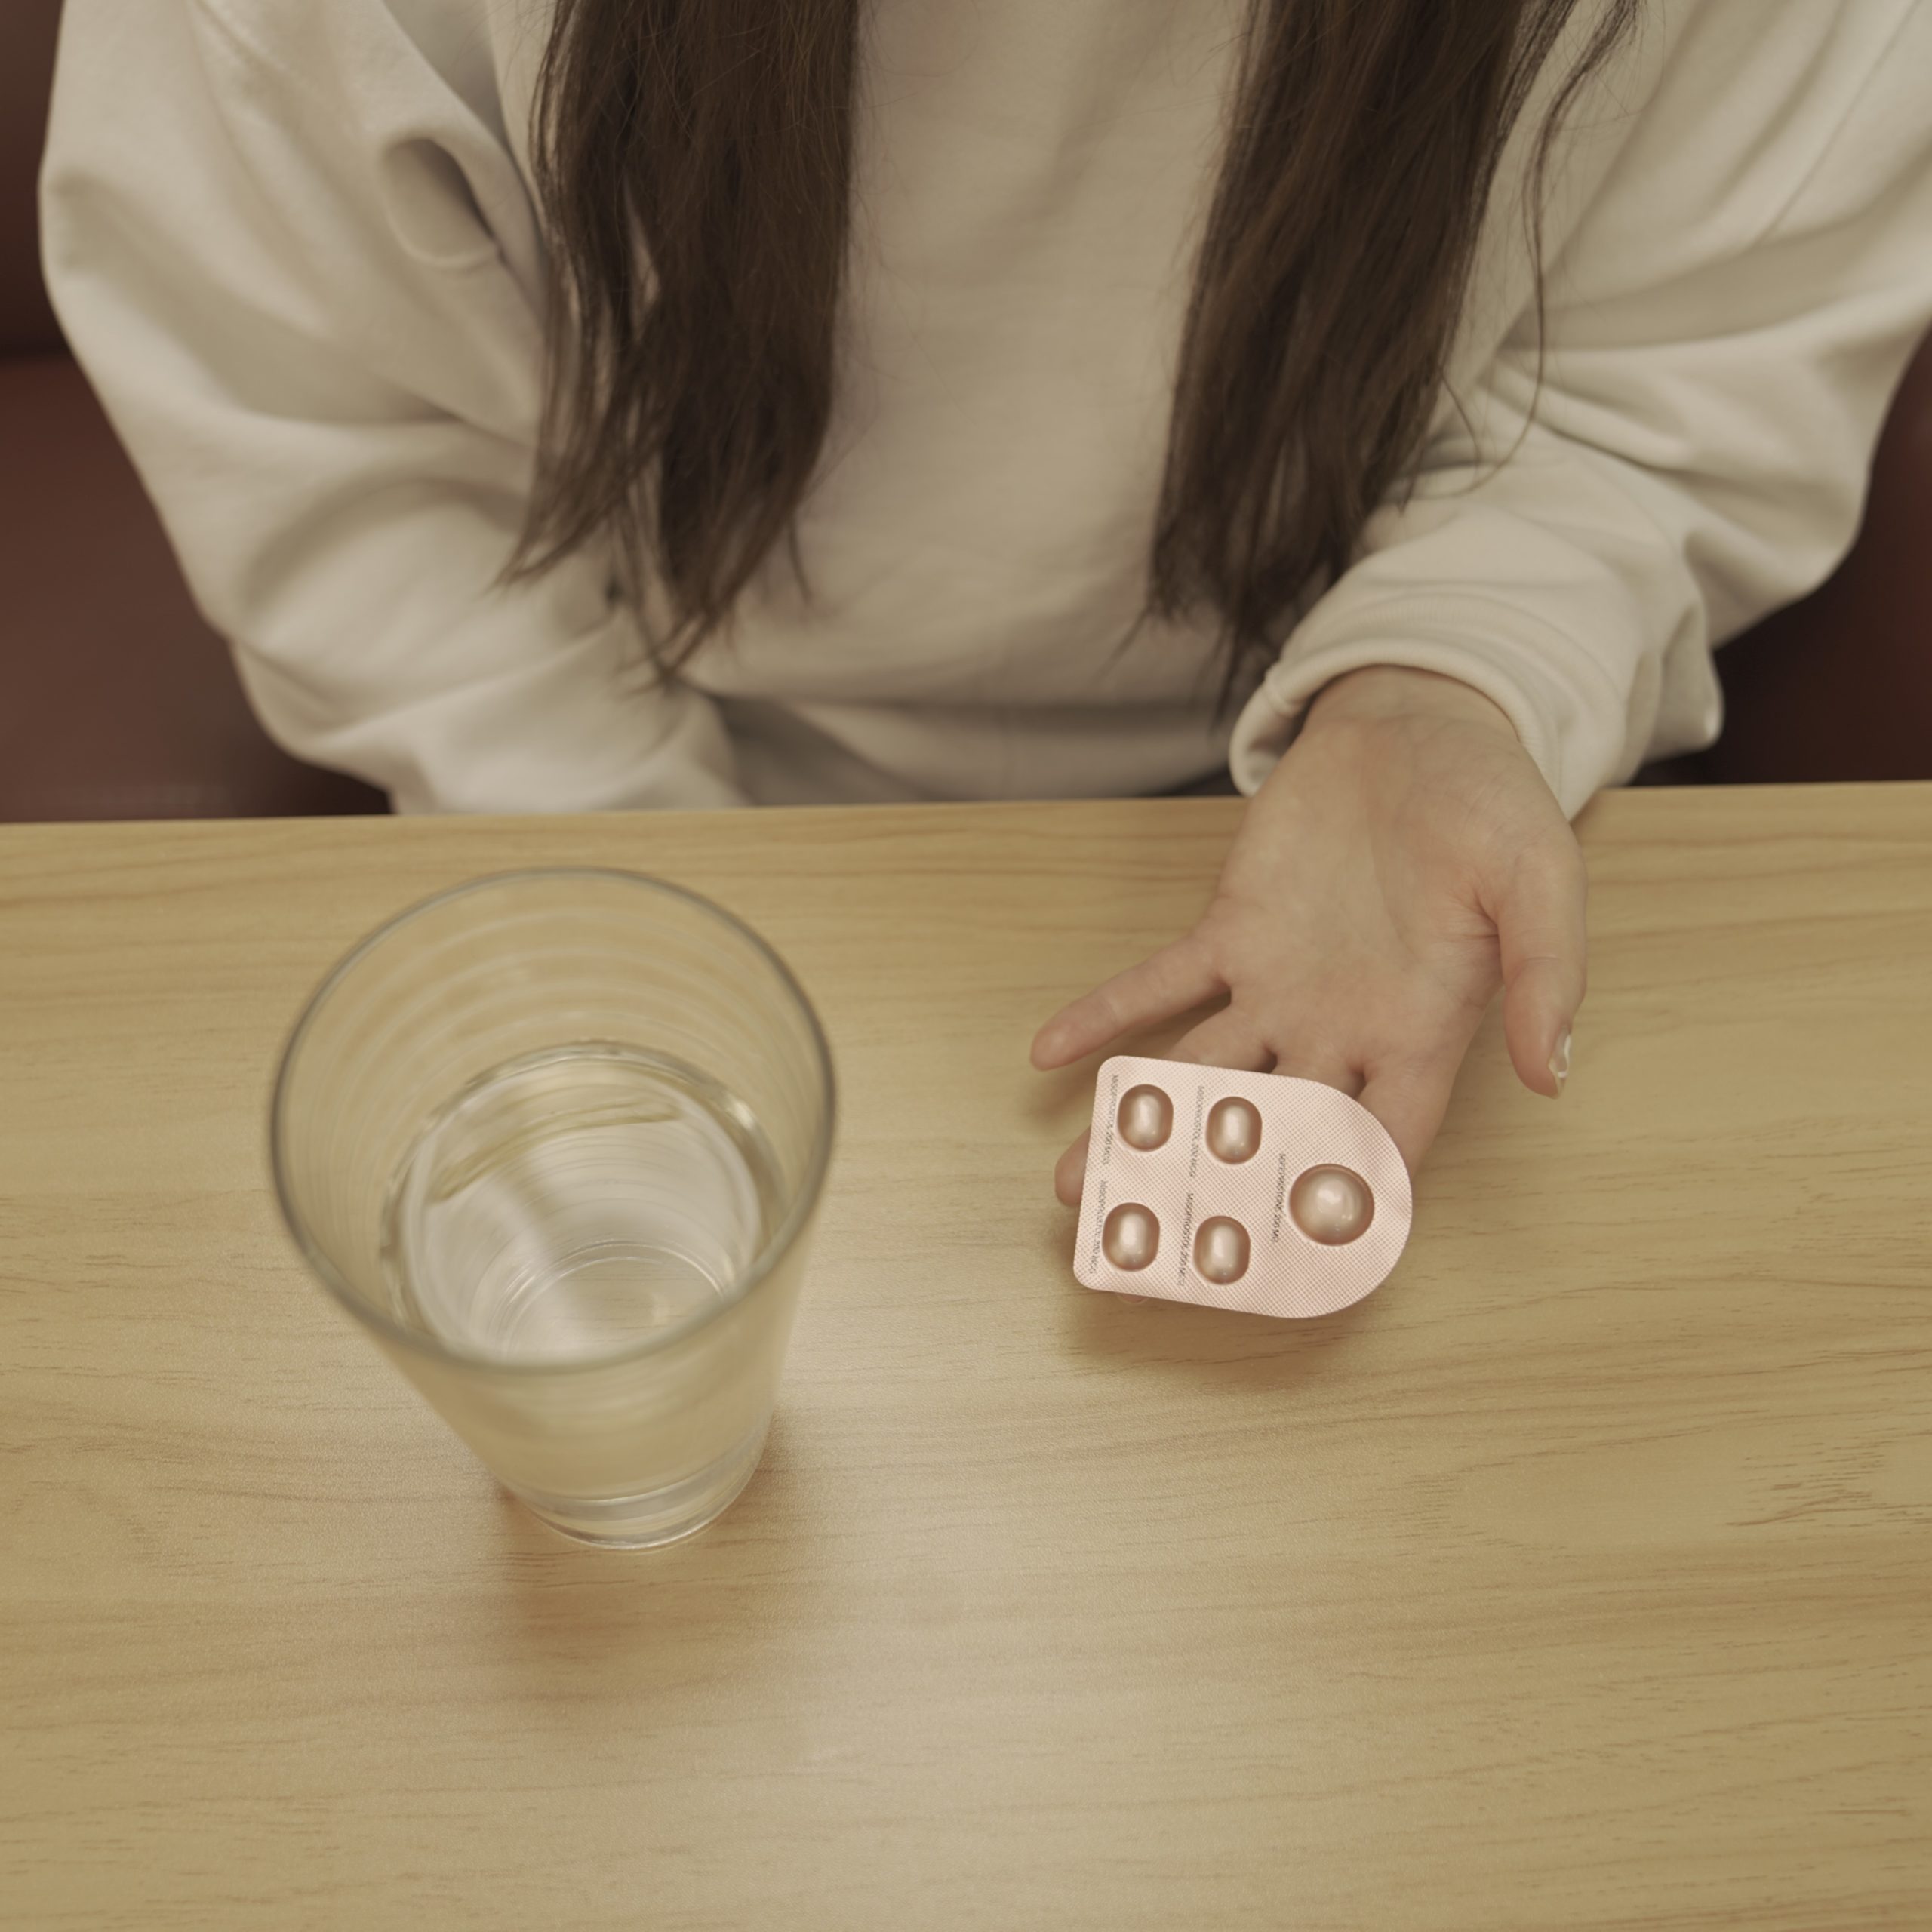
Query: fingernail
{"type": "Point", "coordinates": [1559, 1061]}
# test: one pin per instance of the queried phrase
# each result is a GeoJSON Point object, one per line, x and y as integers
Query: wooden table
{"type": "Point", "coordinates": [1581, 1577]}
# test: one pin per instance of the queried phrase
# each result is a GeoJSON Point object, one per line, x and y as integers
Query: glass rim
{"type": "Point", "coordinates": [804, 1200]}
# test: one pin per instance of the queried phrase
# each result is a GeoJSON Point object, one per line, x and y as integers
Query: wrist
{"type": "Point", "coordinates": [1396, 690]}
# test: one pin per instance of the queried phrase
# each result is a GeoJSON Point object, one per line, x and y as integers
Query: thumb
{"type": "Point", "coordinates": [1541, 930]}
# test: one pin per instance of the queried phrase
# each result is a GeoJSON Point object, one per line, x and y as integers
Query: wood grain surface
{"type": "Point", "coordinates": [1580, 1577]}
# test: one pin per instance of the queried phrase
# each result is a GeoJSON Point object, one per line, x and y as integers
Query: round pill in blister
{"type": "Point", "coordinates": [1130, 1237]}
{"type": "Point", "coordinates": [1234, 1131]}
{"type": "Point", "coordinates": [1331, 1205]}
{"type": "Point", "coordinates": [1146, 1118]}
{"type": "Point", "coordinates": [1221, 1251]}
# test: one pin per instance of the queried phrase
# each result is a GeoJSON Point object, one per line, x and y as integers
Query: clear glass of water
{"type": "Point", "coordinates": [557, 1138]}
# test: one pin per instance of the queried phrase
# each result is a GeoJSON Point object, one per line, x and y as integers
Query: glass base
{"type": "Point", "coordinates": [658, 1516]}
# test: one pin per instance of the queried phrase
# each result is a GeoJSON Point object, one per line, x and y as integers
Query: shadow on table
{"type": "Point", "coordinates": [1209, 1345]}
{"type": "Point", "coordinates": [576, 1617]}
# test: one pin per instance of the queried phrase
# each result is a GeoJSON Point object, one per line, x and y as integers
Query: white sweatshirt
{"type": "Point", "coordinates": [293, 242]}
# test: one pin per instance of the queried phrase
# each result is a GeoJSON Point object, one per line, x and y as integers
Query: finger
{"type": "Point", "coordinates": [1225, 1039]}
{"type": "Point", "coordinates": [1541, 928]}
{"type": "Point", "coordinates": [1178, 977]}
{"type": "Point", "coordinates": [1072, 1172]}
{"type": "Point", "coordinates": [1409, 1099]}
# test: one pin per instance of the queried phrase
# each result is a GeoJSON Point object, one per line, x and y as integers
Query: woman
{"type": "Point", "coordinates": [655, 403]}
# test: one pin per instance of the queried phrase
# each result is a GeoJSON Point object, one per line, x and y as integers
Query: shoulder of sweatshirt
{"type": "Point", "coordinates": [366, 52]}
{"type": "Point", "coordinates": [1744, 118]}
{"type": "Point", "coordinates": [426, 102]}
{"type": "Point", "coordinates": [1714, 123]}
{"type": "Point", "coordinates": [1710, 121]}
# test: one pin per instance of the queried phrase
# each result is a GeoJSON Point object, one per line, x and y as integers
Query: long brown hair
{"type": "Point", "coordinates": [693, 161]}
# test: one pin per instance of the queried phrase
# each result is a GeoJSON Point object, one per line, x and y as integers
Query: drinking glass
{"type": "Point", "coordinates": [556, 1140]}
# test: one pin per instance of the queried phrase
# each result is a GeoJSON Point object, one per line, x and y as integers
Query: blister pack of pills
{"type": "Point", "coordinates": [1249, 1190]}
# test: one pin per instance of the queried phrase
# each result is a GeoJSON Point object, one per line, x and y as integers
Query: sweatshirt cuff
{"type": "Point", "coordinates": [1569, 714]}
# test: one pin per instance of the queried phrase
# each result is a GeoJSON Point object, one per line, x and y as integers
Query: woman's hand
{"type": "Point", "coordinates": [1403, 855]}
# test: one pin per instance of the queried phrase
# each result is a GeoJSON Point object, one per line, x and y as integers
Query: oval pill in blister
{"type": "Point", "coordinates": [1234, 1130]}
{"type": "Point", "coordinates": [1146, 1118]}
{"type": "Point", "coordinates": [1130, 1237]}
{"type": "Point", "coordinates": [1221, 1251]}
{"type": "Point", "coordinates": [1331, 1205]}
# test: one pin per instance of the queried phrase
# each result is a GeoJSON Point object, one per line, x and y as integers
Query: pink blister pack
{"type": "Point", "coordinates": [1248, 1191]}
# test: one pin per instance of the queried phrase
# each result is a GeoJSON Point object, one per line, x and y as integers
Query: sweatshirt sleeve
{"type": "Point", "coordinates": [1726, 322]}
{"type": "Point", "coordinates": [301, 270]}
